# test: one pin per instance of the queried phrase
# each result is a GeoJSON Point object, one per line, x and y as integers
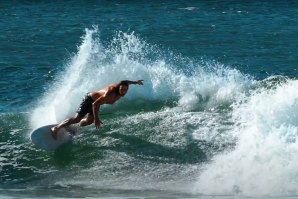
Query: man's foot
{"type": "Point", "coordinates": [54, 131]}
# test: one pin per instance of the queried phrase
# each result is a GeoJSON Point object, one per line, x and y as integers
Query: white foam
{"type": "Point", "coordinates": [265, 160]}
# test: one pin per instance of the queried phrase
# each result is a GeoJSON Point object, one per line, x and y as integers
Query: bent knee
{"type": "Point", "coordinates": [90, 120]}
{"type": "Point", "coordinates": [77, 118]}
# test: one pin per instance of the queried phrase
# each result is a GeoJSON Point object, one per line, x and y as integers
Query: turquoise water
{"type": "Point", "coordinates": [215, 118]}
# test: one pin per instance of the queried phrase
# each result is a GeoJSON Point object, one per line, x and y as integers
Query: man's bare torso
{"type": "Point", "coordinates": [107, 96]}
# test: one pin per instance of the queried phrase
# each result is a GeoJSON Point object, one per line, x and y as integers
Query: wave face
{"type": "Point", "coordinates": [195, 126]}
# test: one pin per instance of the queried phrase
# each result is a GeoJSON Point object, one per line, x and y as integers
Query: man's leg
{"type": "Point", "coordinates": [87, 121]}
{"type": "Point", "coordinates": [73, 120]}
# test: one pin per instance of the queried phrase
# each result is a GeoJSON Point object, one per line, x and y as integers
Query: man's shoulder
{"type": "Point", "coordinates": [111, 90]}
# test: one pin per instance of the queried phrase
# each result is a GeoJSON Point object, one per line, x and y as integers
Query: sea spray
{"type": "Point", "coordinates": [264, 161]}
{"type": "Point", "coordinates": [74, 79]}
{"type": "Point", "coordinates": [128, 57]}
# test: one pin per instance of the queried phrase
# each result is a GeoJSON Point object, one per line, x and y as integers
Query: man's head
{"type": "Point", "coordinates": [123, 88]}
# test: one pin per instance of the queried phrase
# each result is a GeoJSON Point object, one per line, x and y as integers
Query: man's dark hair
{"type": "Point", "coordinates": [124, 83]}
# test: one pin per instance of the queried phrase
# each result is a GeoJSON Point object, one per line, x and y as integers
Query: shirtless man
{"type": "Point", "coordinates": [91, 103]}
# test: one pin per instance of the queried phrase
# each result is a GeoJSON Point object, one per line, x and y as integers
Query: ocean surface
{"type": "Point", "coordinates": [217, 116]}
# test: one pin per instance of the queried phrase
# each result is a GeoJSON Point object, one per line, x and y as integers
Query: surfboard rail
{"type": "Point", "coordinates": [42, 137]}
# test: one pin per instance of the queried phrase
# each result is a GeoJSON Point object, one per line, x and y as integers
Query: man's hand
{"type": "Point", "coordinates": [139, 82]}
{"type": "Point", "coordinates": [97, 123]}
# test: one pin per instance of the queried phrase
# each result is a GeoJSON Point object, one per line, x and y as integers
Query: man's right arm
{"type": "Point", "coordinates": [96, 105]}
{"type": "Point", "coordinates": [95, 109]}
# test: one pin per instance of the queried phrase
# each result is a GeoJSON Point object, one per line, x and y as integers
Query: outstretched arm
{"type": "Point", "coordinates": [139, 82]}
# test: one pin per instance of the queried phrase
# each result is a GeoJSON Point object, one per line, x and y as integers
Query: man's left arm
{"type": "Point", "coordinates": [139, 82]}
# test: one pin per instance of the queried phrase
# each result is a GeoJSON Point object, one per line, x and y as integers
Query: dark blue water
{"type": "Point", "coordinates": [216, 115]}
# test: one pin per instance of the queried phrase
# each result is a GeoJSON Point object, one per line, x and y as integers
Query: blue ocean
{"type": "Point", "coordinates": [217, 116]}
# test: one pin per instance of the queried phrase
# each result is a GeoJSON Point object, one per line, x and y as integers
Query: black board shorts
{"type": "Point", "coordinates": [86, 106]}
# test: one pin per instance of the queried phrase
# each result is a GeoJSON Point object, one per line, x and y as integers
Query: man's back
{"type": "Point", "coordinates": [107, 95]}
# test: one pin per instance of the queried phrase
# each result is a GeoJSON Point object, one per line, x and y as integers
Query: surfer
{"type": "Point", "coordinates": [91, 103]}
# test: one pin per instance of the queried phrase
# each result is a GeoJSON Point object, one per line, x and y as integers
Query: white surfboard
{"type": "Point", "coordinates": [43, 139]}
